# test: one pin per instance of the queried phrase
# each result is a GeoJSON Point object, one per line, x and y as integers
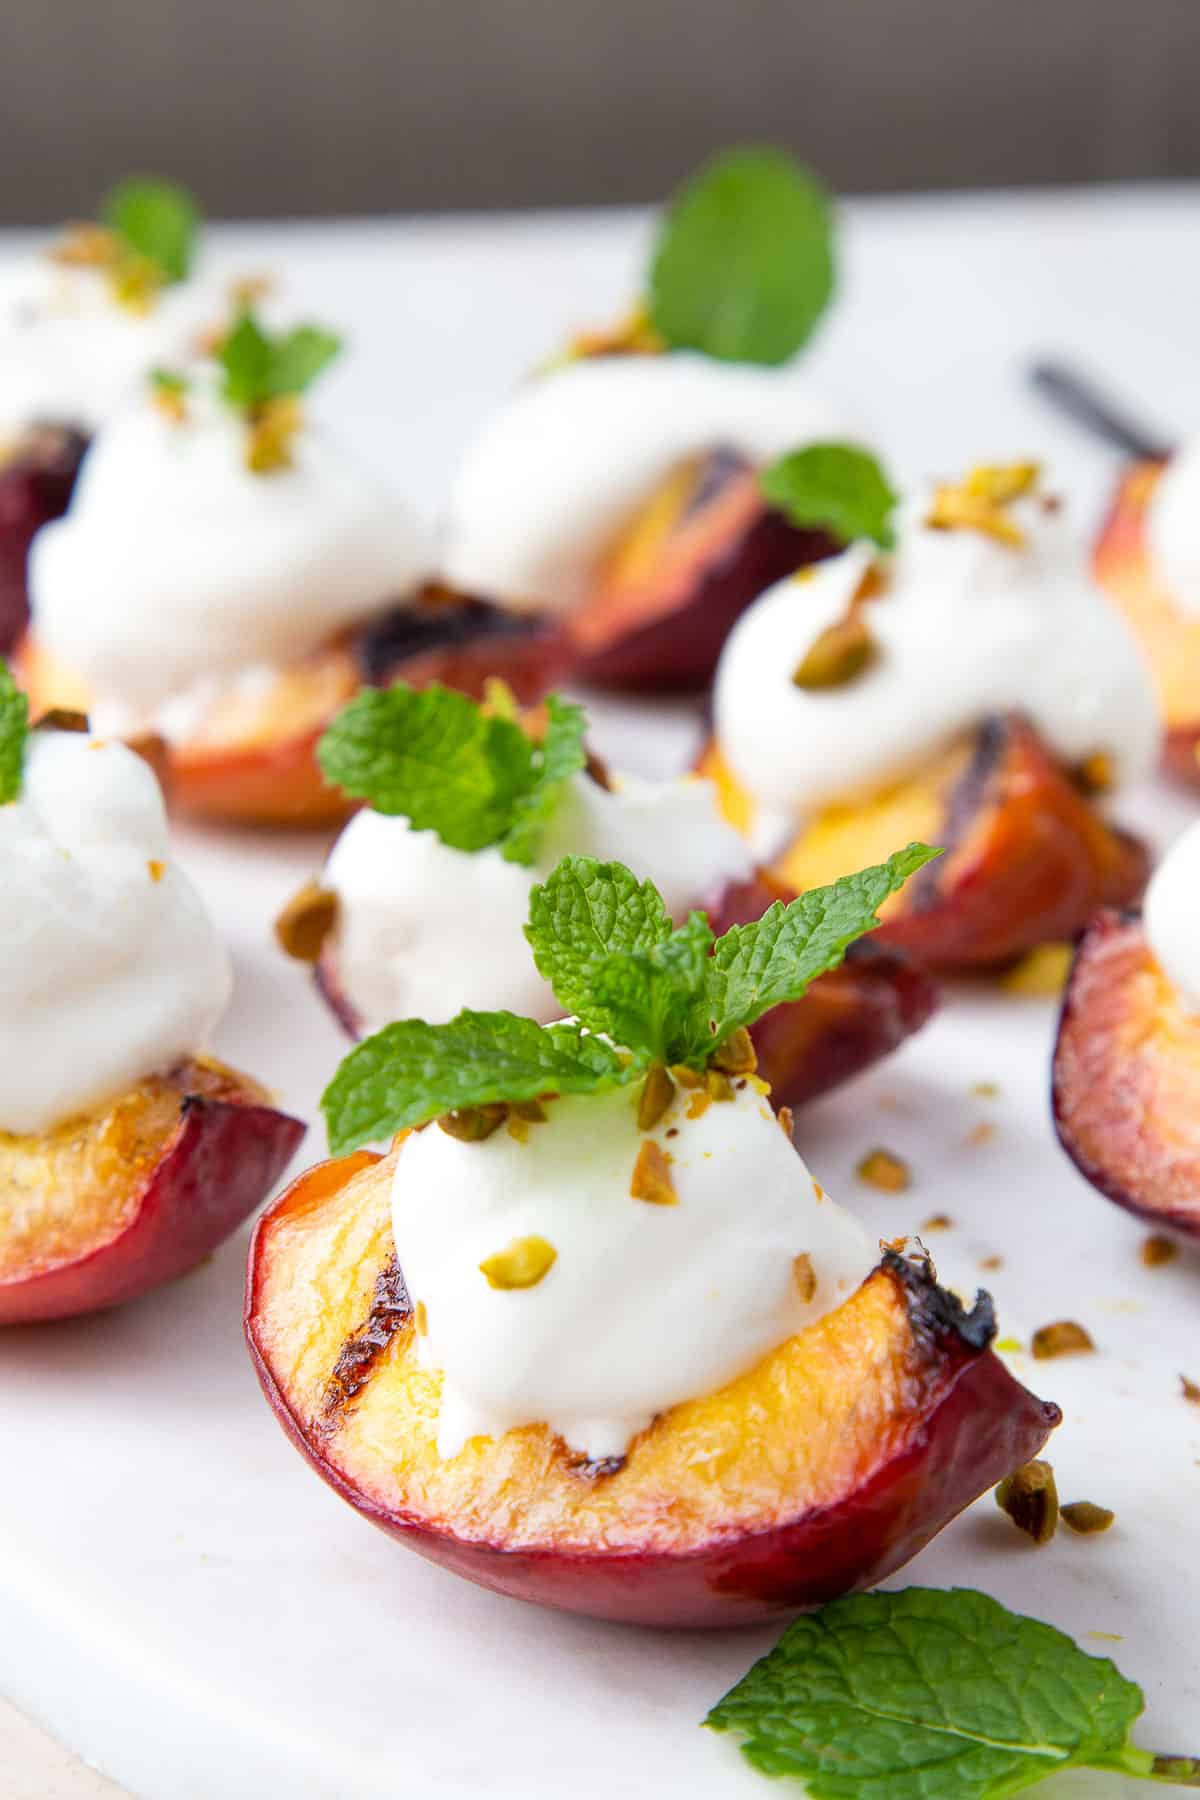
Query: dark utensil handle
{"type": "Point", "coordinates": [1081, 400]}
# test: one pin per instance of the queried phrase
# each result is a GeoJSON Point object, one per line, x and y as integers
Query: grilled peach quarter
{"type": "Point", "coordinates": [820, 1471]}
{"type": "Point", "coordinates": [848, 1019]}
{"type": "Point", "coordinates": [1028, 860]}
{"type": "Point", "coordinates": [106, 1206]}
{"type": "Point", "coordinates": [37, 476]}
{"type": "Point", "coordinates": [1126, 1083]}
{"type": "Point", "coordinates": [252, 759]}
{"type": "Point", "coordinates": [1170, 639]}
{"type": "Point", "coordinates": [702, 548]}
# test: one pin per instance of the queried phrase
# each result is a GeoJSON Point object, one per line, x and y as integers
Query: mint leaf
{"type": "Point", "coordinates": [259, 367]}
{"type": "Point", "coordinates": [585, 916]}
{"type": "Point", "coordinates": [157, 220]}
{"type": "Point", "coordinates": [432, 756]}
{"type": "Point", "coordinates": [411, 1072]}
{"type": "Point", "coordinates": [14, 729]}
{"type": "Point", "coordinates": [927, 1695]}
{"type": "Point", "coordinates": [757, 966]}
{"type": "Point", "coordinates": [835, 486]}
{"type": "Point", "coordinates": [438, 759]}
{"type": "Point", "coordinates": [560, 755]}
{"type": "Point", "coordinates": [743, 266]}
{"type": "Point", "coordinates": [647, 995]}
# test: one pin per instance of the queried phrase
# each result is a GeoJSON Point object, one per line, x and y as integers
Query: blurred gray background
{"type": "Point", "coordinates": [359, 106]}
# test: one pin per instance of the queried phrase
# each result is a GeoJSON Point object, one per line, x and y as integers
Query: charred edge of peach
{"type": "Point", "coordinates": [935, 1314]}
{"type": "Point", "coordinates": [967, 797]}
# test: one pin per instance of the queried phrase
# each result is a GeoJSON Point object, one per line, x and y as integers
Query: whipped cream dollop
{"type": "Point", "coordinates": [424, 930]}
{"type": "Point", "coordinates": [555, 477]}
{"type": "Point", "coordinates": [71, 354]}
{"type": "Point", "coordinates": [1173, 527]}
{"type": "Point", "coordinates": [1171, 916]}
{"type": "Point", "coordinates": [965, 626]}
{"type": "Point", "coordinates": [175, 562]}
{"type": "Point", "coordinates": [644, 1305]}
{"type": "Point", "coordinates": [110, 968]}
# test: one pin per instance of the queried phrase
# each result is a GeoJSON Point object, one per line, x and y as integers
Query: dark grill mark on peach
{"type": "Point", "coordinates": [420, 625]}
{"type": "Point", "coordinates": [360, 1354]}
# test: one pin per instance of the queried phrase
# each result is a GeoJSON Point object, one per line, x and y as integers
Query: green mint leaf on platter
{"type": "Point", "coordinates": [604, 942]}
{"type": "Point", "coordinates": [930, 1695]}
{"type": "Point", "coordinates": [411, 1072]}
{"type": "Point", "coordinates": [156, 220]}
{"type": "Point", "coordinates": [837, 487]}
{"type": "Point", "coordinates": [439, 760]}
{"type": "Point", "coordinates": [259, 366]}
{"type": "Point", "coordinates": [757, 966]}
{"type": "Point", "coordinates": [560, 755]}
{"type": "Point", "coordinates": [743, 267]}
{"type": "Point", "coordinates": [14, 729]}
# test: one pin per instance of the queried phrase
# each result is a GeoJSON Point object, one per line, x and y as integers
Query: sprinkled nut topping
{"type": "Point", "coordinates": [156, 869]}
{"type": "Point", "coordinates": [1158, 1249]}
{"type": "Point", "coordinates": [474, 1123]}
{"type": "Point", "coordinates": [1030, 1498]}
{"type": "Point", "coordinates": [523, 1264]}
{"type": "Point", "coordinates": [787, 1120]}
{"type": "Point", "coordinates": [718, 1085]}
{"type": "Point", "coordinates": [805, 1276]}
{"type": "Point", "coordinates": [1096, 774]}
{"type": "Point", "coordinates": [273, 430]}
{"type": "Point", "coordinates": [306, 921]}
{"type": "Point", "coordinates": [978, 503]}
{"type": "Point", "coordinates": [879, 1168]}
{"type": "Point", "coordinates": [651, 1180]}
{"type": "Point", "coordinates": [1063, 1338]}
{"type": "Point", "coordinates": [938, 1222]}
{"type": "Point", "coordinates": [698, 1104]}
{"type": "Point", "coordinates": [1085, 1517]}
{"type": "Point", "coordinates": [837, 656]}
{"type": "Point", "coordinates": [1190, 1390]}
{"type": "Point", "coordinates": [658, 1091]}
{"type": "Point", "coordinates": [420, 1319]}
{"type": "Point", "coordinates": [737, 1055]}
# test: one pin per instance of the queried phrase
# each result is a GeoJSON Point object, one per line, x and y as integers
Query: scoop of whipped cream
{"type": "Point", "coordinates": [71, 354]}
{"type": "Point", "coordinates": [424, 930]}
{"type": "Point", "coordinates": [644, 1305]}
{"type": "Point", "coordinates": [110, 969]}
{"type": "Point", "coordinates": [1170, 915]}
{"type": "Point", "coordinates": [558, 473]}
{"type": "Point", "coordinates": [1173, 528]}
{"type": "Point", "coordinates": [176, 562]}
{"type": "Point", "coordinates": [966, 625]}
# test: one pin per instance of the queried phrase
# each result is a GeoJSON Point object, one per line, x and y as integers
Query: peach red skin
{"type": "Point", "coordinates": [1114, 1087]}
{"type": "Point", "coordinates": [220, 1164]}
{"type": "Point", "coordinates": [980, 1427]}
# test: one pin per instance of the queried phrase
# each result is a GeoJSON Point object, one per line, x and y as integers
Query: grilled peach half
{"type": "Point", "coordinates": [1126, 1082]}
{"type": "Point", "coordinates": [820, 1471]}
{"type": "Point", "coordinates": [252, 760]}
{"type": "Point", "coordinates": [111, 1204]}
{"type": "Point", "coordinates": [702, 548]}
{"type": "Point", "coordinates": [1029, 858]}
{"type": "Point", "coordinates": [37, 477]}
{"type": "Point", "coordinates": [1170, 639]}
{"type": "Point", "coordinates": [847, 1020]}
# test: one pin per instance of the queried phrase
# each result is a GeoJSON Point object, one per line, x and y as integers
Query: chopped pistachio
{"type": "Point", "coordinates": [1158, 1249]}
{"type": "Point", "coordinates": [658, 1091]}
{"type": "Point", "coordinates": [1190, 1390]}
{"type": "Point", "coordinates": [686, 1077]}
{"type": "Point", "coordinates": [517, 1128]}
{"type": "Point", "coordinates": [698, 1104]}
{"type": "Point", "coordinates": [156, 868]}
{"type": "Point", "coordinates": [1003, 482]}
{"type": "Point", "coordinates": [1009, 1346]}
{"type": "Point", "coordinates": [306, 921]}
{"type": "Point", "coordinates": [651, 1180]}
{"type": "Point", "coordinates": [1063, 1338]}
{"type": "Point", "coordinates": [879, 1168]}
{"type": "Point", "coordinates": [421, 1319]}
{"type": "Point", "coordinates": [718, 1085]}
{"type": "Point", "coordinates": [805, 1276]}
{"type": "Point", "coordinates": [991, 1262]}
{"type": "Point", "coordinates": [474, 1123]}
{"type": "Point", "coordinates": [1085, 1517]}
{"type": "Point", "coordinates": [635, 334]}
{"type": "Point", "coordinates": [499, 701]}
{"type": "Point", "coordinates": [985, 1090]}
{"type": "Point", "coordinates": [531, 1111]}
{"type": "Point", "coordinates": [737, 1055]}
{"type": "Point", "coordinates": [1030, 1498]}
{"type": "Point", "coordinates": [522, 1265]}
{"type": "Point", "coordinates": [938, 1222]}
{"type": "Point", "coordinates": [787, 1120]}
{"type": "Point", "coordinates": [1096, 774]}
{"type": "Point", "coordinates": [271, 434]}
{"type": "Point", "coordinates": [85, 246]}
{"type": "Point", "coordinates": [837, 656]}
{"type": "Point", "coordinates": [978, 502]}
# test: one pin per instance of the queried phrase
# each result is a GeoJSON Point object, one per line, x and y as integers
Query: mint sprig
{"type": "Point", "coordinates": [259, 366]}
{"type": "Point", "coordinates": [930, 1695]}
{"type": "Point", "coordinates": [155, 220]}
{"type": "Point", "coordinates": [743, 267]}
{"type": "Point", "coordinates": [606, 945]}
{"type": "Point", "coordinates": [838, 487]}
{"type": "Point", "coordinates": [14, 729]}
{"type": "Point", "coordinates": [411, 1072]}
{"type": "Point", "coordinates": [439, 760]}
